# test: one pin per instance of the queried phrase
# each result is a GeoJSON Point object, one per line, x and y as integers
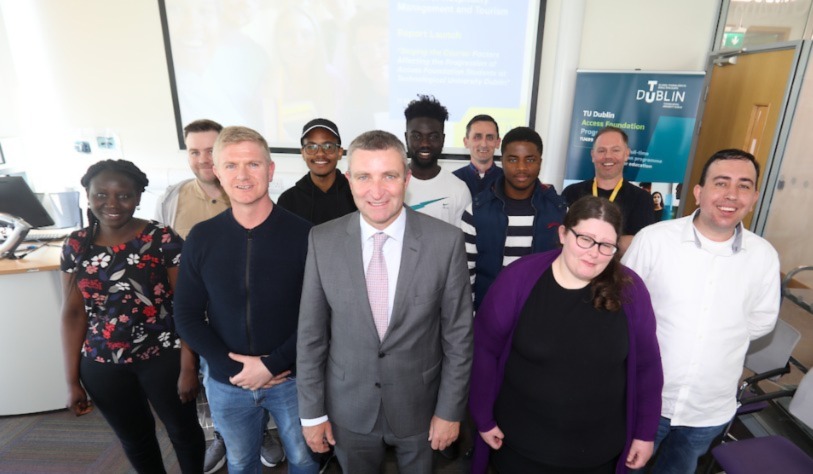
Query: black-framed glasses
{"type": "Point", "coordinates": [313, 148]}
{"type": "Point", "coordinates": [587, 242]}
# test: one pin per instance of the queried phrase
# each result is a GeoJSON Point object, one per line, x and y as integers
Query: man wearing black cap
{"type": "Point", "coordinates": [324, 193]}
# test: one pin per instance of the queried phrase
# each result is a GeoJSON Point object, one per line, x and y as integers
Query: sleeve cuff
{"type": "Point", "coordinates": [313, 421]}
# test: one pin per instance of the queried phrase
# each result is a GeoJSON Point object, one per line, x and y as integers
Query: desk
{"type": "Point", "coordinates": [31, 363]}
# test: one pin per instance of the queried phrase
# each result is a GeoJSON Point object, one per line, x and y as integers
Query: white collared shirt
{"type": "Point", "coordinates": [710, 300]}
{"type": "Point", "coordinates": [391, 250]}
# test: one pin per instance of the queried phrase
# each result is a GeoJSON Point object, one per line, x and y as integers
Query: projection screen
{"type": "Point", "coordinates": [273, 65]}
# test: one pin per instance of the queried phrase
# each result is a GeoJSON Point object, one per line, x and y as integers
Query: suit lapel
{"type": "Point", "coordinates": [409, 262]}
{"type": "Point", "coordinates": [355, 272]}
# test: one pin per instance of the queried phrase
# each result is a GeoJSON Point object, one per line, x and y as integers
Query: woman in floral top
{"type": "Point", "coordinates": [118, 332]}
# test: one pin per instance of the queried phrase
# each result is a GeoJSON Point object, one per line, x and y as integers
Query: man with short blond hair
{"type": "Point", "coordinates": [237, 313]}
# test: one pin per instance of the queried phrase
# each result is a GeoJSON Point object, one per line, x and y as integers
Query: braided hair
{"type": "Point", "coordinates": [122, 167]}
{"type": "Point", "coordinates": [607, 287]}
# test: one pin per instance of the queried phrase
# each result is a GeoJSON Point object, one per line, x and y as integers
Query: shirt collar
{"type": "Point", "coordinates": [690, 234]}
{"type": "Point", "coordinates": [394, 231]}
{"type": "Point", "coordinates": [488, 171]}
{"type": "Point", "coordinates": [201, 194]}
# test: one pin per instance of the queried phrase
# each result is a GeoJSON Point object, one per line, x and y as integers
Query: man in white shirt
{"type": "Point", "coordinates": [714, 288]}
{"type": "Point", "coordinates": [432, 190]}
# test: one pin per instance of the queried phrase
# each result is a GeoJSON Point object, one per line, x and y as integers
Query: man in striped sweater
{"type": "Point", "coordinates": [516, 216]}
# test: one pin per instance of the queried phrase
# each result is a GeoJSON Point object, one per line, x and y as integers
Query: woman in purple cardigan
{"type": "Point", "coordinates": [567, 372]}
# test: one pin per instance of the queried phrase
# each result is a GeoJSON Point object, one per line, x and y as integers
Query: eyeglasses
{"type": "Point", "coordinates": [418, 137]}
{"type": "Point", "coordinates": [313, 148]}
{"type": "Point", "coordinates": [587, 242]}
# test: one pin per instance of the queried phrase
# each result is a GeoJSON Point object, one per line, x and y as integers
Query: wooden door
{"type": "Point", "coordinates": [742, 110]}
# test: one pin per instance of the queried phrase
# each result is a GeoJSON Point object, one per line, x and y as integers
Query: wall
{"type": "Point", "coordinates": [656, 35]}
{"type": "Point", "coordinates": [106, 69]}
{"type": "Point", "coordinates": [8, 86]}
{"type": "Point", "coordinates": [787, 228]}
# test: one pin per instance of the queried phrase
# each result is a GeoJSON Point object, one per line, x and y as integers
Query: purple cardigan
{"type": "Point", "coordinates": [493, 332]}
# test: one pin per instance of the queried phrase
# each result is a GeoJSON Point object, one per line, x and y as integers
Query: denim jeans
{"type": "Point", "coordinates": [679, 447]}
{"type": "Point", "coordinates": [239, 415]}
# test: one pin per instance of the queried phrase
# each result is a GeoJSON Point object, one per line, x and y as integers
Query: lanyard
{"type": "Point", "coordinates": [615, 190]}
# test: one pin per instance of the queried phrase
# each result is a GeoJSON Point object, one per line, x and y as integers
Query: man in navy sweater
{"type": "Point", "coordinates": [237, 304]}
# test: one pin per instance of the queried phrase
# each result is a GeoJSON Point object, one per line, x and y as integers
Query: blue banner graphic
{"type": "Point", "coordinates": [657, 110]}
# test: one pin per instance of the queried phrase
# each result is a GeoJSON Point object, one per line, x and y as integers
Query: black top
{"type": "Point", "coordinates": [636, 205]}
{"type": "Point", "coordinates": [309, 202]}
{"type": "Point", "coordinates": [562, 401]}
{"type": "Point", "coordinates": [247, 284]}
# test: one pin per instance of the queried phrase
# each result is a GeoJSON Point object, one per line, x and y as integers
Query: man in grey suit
{"type": "Point", "coordinates": [385, 325]}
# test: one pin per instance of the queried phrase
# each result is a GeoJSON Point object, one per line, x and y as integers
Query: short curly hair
{"type": "Point", "coordinates": [426, 106]}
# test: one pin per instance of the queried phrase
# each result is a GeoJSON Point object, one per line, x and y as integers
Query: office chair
{"type": "Point", "coordinates": [769, 357]}
{"type": "Point", "coordinates": [772, 453]}
{"type": "Point", "coordinates": [803, 297]}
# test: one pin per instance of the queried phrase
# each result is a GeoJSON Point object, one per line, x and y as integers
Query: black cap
{"type": "Point", "coordinates": [321, 123]}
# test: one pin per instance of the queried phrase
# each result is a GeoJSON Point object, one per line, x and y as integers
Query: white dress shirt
{"type": "Point", "coordinates": [710, 300]}
{"type": "Point", "coordinates": [391, 250]}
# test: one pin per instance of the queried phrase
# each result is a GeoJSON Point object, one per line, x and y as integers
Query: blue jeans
{"type": "Point", "coordinates": [679, 447]}
{"type": "Point", "coordinates": [239, 415]}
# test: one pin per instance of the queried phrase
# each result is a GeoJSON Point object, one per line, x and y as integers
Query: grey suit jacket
{"type": "Point", "coordinates": [422, 366]}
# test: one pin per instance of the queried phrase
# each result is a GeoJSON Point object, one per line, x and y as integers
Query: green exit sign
{"type": "Point", "coordinates": [733, 40]}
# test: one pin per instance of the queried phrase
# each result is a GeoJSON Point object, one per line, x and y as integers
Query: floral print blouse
{"type": "Point", "coordinates": [127, 295]}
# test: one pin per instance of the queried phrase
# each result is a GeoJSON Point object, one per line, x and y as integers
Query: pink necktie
{"type": "Point", "coordinates": [377, 284]}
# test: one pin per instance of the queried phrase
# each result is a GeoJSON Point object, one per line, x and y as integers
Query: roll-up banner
{"type": "Point", "coordinates": [657, 110]}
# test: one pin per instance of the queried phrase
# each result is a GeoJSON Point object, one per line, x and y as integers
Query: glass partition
{"type": "Point", "coordinates": [788, 226]}
{"type": "Point", "coordinates": [751, 23]}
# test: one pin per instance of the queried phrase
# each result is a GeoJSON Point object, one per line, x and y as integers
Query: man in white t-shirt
{"type": "Point", "coordinates": [432, 190]}
{"type": "Point", "coordinates": [715, 288]}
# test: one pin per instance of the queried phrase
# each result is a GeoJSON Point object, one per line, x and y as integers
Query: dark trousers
{"type": "Point", "coordinates": [364, 453]}
{"type": "Point", "coordinates": [123, 394]}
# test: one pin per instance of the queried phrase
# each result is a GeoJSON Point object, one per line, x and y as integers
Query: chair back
{"type": "Point", "coordinates": [801, 406]}
{"type": "Point", "coordinates": [773, 350]}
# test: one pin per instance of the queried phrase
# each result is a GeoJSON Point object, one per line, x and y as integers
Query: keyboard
{"type": "Point", "coordinates": [47, 234]}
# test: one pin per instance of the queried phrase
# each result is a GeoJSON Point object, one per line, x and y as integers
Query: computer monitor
{"type": "Point", "coordinates": [63, 207]}
{"type": "Point", "coordinates": [17, 199]}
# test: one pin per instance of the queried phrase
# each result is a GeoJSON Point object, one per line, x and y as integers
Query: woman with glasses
{"type": "Point", "coordinates": [567, 373]}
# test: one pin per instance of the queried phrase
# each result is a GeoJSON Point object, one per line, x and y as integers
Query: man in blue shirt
{"type": "Point", "coordinates": [482, 140]}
